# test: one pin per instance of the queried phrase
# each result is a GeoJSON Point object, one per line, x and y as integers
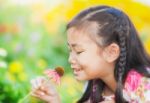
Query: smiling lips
{"type": "Point", "coordinates": [75, 70]}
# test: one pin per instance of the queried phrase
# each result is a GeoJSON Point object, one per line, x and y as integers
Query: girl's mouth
{"type": "Point", "coordinates": [76, 71]}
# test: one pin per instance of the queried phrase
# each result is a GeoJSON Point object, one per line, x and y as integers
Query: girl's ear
{"type": "Point", "coordinates": [111, 52]}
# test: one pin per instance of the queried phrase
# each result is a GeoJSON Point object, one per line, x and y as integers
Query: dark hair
{"type": "Point", "coordinates": [115, 27]}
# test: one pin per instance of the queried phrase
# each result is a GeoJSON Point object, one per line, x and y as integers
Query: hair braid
{"type": "Point", "coordinates": [122, 61]}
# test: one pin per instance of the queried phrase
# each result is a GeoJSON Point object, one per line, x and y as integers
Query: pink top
{"type": "Point", "coordinates": [137, 88]}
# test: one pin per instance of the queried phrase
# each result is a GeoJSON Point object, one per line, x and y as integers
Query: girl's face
{"type": "Point", "coordinates": [86, 58]}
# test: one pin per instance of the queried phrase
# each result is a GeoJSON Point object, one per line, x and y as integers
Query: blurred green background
{"type": "Point", "coordinates": [33, 38]}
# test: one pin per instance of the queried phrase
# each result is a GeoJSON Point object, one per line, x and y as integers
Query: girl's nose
{"type": "Point", "coordinates": [71, 59]}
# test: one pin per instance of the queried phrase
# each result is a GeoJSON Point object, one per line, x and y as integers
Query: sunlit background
{"type": "Point", "coordinates": [33, 38]}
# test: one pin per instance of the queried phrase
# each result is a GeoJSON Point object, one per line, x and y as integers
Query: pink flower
{"type": "Point", "coordinates": [52, 74]}
{"type": "Point", "coordinates": [133, 80]}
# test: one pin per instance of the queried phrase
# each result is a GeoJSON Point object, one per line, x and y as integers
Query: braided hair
{"type": "Point", "coordinates": [114, 27]}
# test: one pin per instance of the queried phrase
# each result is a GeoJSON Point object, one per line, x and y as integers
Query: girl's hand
{"type": "Point", "coordinates": [44, 90]}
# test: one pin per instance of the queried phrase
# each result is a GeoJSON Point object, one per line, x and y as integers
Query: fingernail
{"type": "Point", "coordinates": [42, 93]}
{"type": "Point", "coordinates": [42, 87]}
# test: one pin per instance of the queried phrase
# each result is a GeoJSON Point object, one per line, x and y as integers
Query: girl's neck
{"type": "Point", "coordinates": [107, 91]}
{"type": "Point", "coordinates": [110, 82]}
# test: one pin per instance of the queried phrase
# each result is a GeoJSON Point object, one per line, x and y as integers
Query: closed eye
{"type": "Point", "coordinates": [79, 52]}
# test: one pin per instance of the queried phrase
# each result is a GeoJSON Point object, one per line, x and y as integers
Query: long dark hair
{"type": "Point", "coordinates": [115, 27]}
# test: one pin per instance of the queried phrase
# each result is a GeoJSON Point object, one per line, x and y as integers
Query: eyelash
{"type": "Point", "coordinates": [76, 52]}
{"type": "Point", "coordinates": [79, 52]}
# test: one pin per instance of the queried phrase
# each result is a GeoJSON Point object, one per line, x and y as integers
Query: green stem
{"type": "Point", "coordinates": [21, 101]}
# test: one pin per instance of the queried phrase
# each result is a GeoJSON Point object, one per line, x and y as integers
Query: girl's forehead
{"type": "Point", "coordinates": [84, 29]}
{"type": "Point", "coordinates": [87, 27]}
{"type": "Point", "coordinates": [84, 34]}
{"type": "Point", "coordinates": [77, 36]}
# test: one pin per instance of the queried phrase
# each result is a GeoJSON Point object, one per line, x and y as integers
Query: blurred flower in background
{"type": "Point", "coordinates": [32, 38]}
{"type": "Point", "coordinates": [3, 52]}
{"type": "Point", "coordinates": [16, 72]}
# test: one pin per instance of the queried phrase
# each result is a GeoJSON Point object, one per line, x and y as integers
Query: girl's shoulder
{"type": "Point", "coordinates": [136, 87]}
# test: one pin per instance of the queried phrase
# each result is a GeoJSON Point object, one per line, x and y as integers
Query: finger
{"type": "Point", "coordinates": [47, 98]}
{"type": "Point", "coordinates": [41, 95]}
{"type": "Point", "coordinates": [36, 83]}
{"type": "Point", "coordinates": [39, 92]}
{"type": "Point", "coordinates": [40, 81]}
{"type": "Point", "coordinates": [35, 94]}
{"type": "Point", "coordinates": [46, 89]}
{"type": "Point", "coordinates": [49, 88]}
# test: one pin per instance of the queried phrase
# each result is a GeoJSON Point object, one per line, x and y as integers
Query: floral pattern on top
{"type": "Point", "coordinates": [137, 88]}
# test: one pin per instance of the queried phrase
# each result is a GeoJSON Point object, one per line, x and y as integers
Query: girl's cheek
{"type": "Point", "coordinates": [83, 60]}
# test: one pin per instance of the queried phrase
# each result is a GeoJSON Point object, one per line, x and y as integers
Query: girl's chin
{"type": "Point", "coordinates": [78, 78]}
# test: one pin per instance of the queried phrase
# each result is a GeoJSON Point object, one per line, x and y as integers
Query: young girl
{"type": "Point", "coordinates": [105, 50]}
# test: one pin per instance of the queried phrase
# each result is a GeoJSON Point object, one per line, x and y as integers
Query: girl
{"type": "Point", "coordinates": [105, 50]}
